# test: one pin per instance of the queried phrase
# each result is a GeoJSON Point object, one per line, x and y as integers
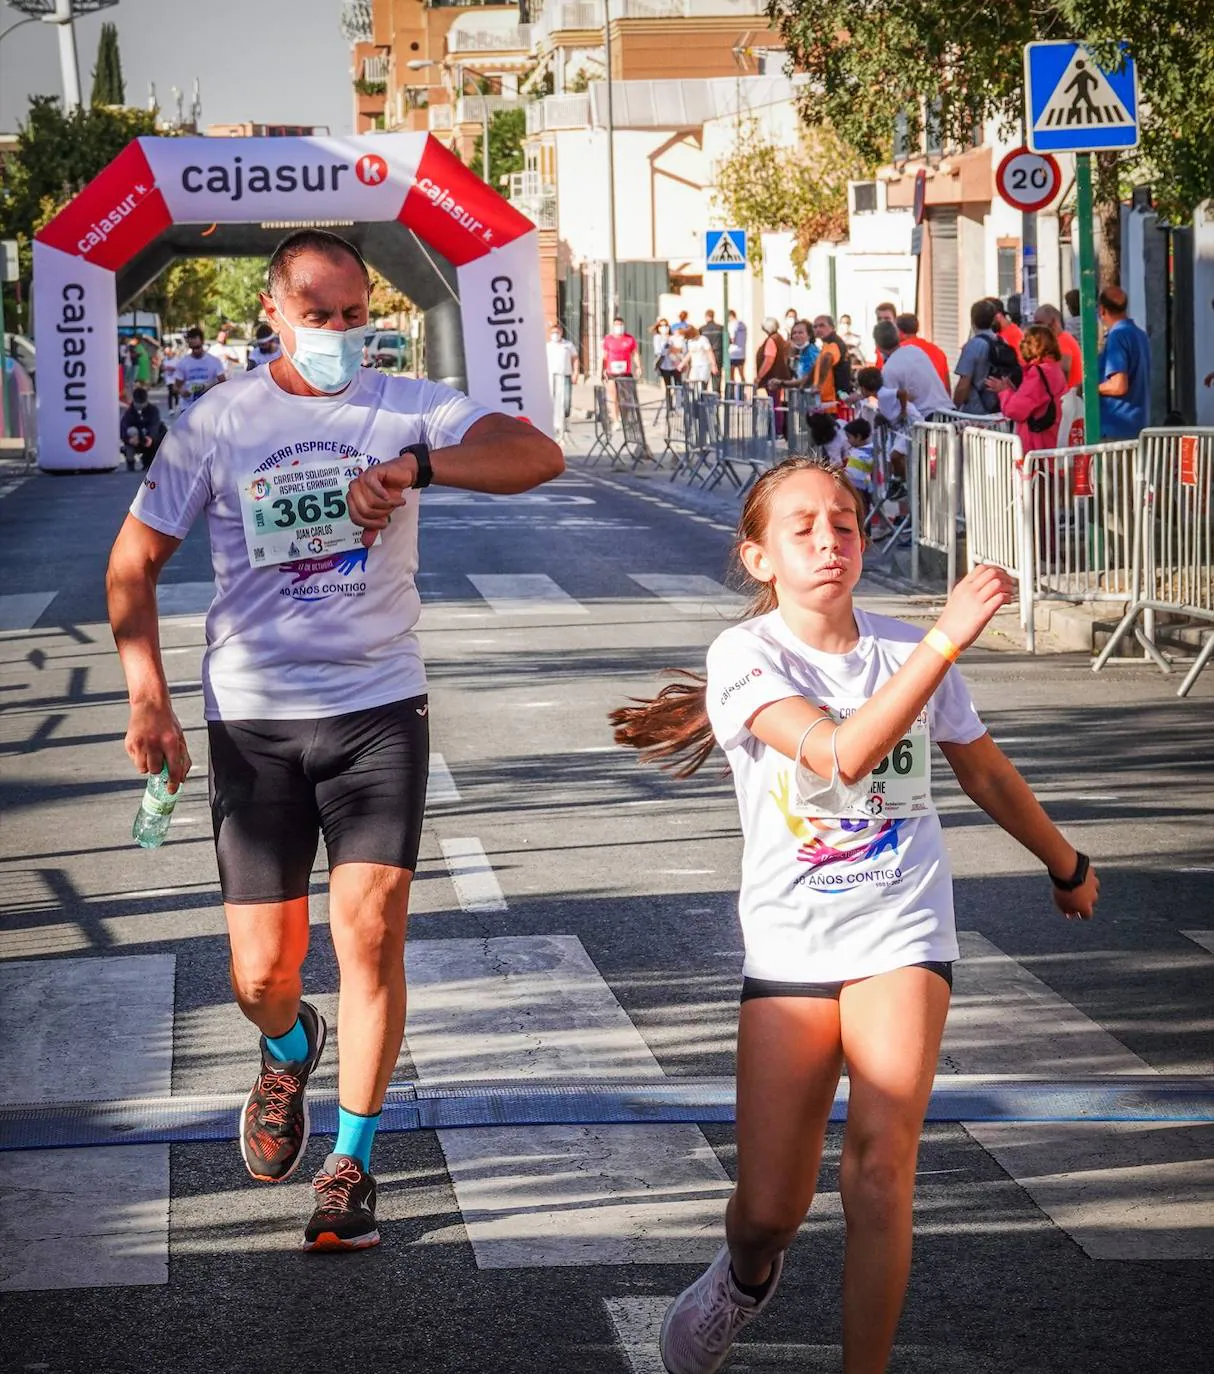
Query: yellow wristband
{"type": "Point", "coordinates": [938, 640]}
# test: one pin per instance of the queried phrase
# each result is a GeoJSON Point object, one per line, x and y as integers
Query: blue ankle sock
{"type": "Point", "coordinates": [289, 1048]}
{"type": "Point", "coordinates": [355, 1134]}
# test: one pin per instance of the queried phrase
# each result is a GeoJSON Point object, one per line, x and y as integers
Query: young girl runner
{"type": "Point", "coordinates": [827, 715]}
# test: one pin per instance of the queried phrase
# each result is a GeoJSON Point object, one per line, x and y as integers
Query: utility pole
{"type": "Point", "coordinates": [612, 299]}
{"type": "Point", "coordinates": [68, 62]}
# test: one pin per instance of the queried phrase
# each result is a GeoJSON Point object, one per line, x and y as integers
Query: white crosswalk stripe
{"type": "Point", "coordinates": [525, 594]}
{"type": "Point", "coordinates": [19, 610]}
{"type": "Point", "coordinates": [476, 885]}
{"type": "Point", "coordinates": [692, 593]}
{"type": "Point", "coordinates": [537, 1007]}
{"type": "Point", "coordinates": [440, 787]}
{"type": "Point", "coordinates": [1204, 938]}
{"type": "Point", "coordinates": [90, 1217]}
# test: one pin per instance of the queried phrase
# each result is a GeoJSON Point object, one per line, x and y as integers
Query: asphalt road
{"type": "Point", "coordinates": [574, 915]}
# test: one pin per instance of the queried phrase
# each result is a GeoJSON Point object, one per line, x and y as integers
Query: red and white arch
{"type": "Point", "coordinates": [155, 183]}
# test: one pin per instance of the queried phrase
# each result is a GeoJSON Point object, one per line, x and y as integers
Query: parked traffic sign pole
{"type": "Point", "coordinates": [725, 369]}
{"type": "Point", "coordinates": [1087, 298]}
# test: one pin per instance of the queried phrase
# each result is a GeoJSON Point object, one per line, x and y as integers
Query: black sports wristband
{"type": "Point", "coordinates": [425, 473]}
{"type": "Point", "coordinates": [1077, 879]}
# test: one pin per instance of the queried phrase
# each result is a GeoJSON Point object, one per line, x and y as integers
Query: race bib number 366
{"type": "Point", "coordinates": [299, 512]}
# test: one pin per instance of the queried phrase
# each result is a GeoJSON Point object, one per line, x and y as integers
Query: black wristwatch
{"type": "Point", "coordinates": [425, 473]}
{"type": "Point", "coordinates": [1077, 879]}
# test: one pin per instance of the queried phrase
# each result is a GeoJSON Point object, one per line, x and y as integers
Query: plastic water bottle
{"type": "Point", "coordinates": [155, 811]}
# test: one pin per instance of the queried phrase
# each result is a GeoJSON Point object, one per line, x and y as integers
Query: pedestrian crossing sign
{"type": "Point", "coordinates": [1074, 105]}
{"type": "Point", "coordinates": [725, 250]}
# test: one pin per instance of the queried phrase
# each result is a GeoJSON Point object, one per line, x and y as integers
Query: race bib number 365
{"type": "Point", "coordinates": [299, 512]}
{"type": "Point", "coordinates": [901, 784]}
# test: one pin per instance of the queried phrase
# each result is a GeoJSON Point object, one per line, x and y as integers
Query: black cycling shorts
{"type": "Point", "coordinates": [770, 987]}
{"type": "Point", "coordinates": [277, 785]}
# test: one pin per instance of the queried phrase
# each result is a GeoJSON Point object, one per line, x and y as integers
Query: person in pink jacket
{"type": "Point", "coordinates": [1035, 405]}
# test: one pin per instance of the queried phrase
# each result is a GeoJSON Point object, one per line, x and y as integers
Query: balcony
{"type": "Point", "coordinates": [471, 109]}
{"type": "Point", "coordinates": [508, 38]}
{"type": "Point", "coordinates": [558, 112]}
{"type": "Point", "coordinates": [568, 16]}
{"type": "Point", "coordinates": [534, 197]}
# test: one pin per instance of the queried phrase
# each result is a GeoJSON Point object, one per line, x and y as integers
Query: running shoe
{"type": "Point", "coordinates": [705, 1319]}
{"type": "Point", "coordinates": [345, 1208]}
{"type": "Point", "coordinates": [274, 1125]}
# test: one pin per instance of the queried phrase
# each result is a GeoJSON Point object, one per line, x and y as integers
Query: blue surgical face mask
{"type": "Point", "coordinates": [327, 359]}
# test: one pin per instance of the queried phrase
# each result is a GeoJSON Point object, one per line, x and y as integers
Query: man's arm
{"type": "Point", "coordinates": [498, 454]}
{"type": "Point", "coordinates": [1117, 384]}
{"type": "Point", "coordinates": [154, 734]}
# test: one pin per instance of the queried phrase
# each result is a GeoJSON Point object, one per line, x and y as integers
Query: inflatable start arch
{"type": "Point", "coordinates": [458, 249]}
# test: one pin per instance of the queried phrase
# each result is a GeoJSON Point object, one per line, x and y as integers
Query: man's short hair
{"type": "Point", "coordinates": [139, 394]}
{"type": "Point", "coordinates": [294, 246]}
{"type": "Point", "coordinates": [194, 333]}
{"type": "Point", "coordinates": [1071, 300]}
{"type": "Point", "coordinates": [885, 336]}
{"type": "Point", "coordinates": [886, 305]}
{"type": "Point", "coordinates": [870, 379]}
{"type": "Point", "coordinates": [907, 324]}
{"type": "Point", "coordinates": [829, 320]}
{"type": "Point", "coordinates": [1050, 315]}
{"type": "Point", "coordinates": [619, 319]}
{"type": "Point", "coordinates": [982, 314]}
{"type": "Point", "coordinates": [998, 304]}
{"type": "Point", "coordinates": [263, 332]}
{"type": "Point", "coordinates": [710, 315]}
{"type": "Point", "coordinates": [1114, 300]}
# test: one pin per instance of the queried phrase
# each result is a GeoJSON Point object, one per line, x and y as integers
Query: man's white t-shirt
{"type": "Point", "coordinates": [909, 369]}
{"type": "Point", "coordinates": [196, 375]}
{"type": "Point", "coordinates": [561, 354]}
{"type": "Point", "coordinates": [315, 636]}
{"type": "Point", "coordinates": [259, 359]}
{"type": "Point", "coordinates": [825, 899]}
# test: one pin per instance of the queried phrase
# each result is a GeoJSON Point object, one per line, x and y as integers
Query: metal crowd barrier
{"type": "Point", "coordinates": [636, 444]}
{"type": "Point", "coordinates": [889, 515]}
{"type": "Point", "coordinates": [935, 459]}
{"type": "Point", "coordinates": [1077, 525]}
{"type": "Point", "coordinates": [993, 467]}
{"type": "Point", "coordinates": [743, 438]}
{"type": "Point", "coordinates": [604, 443]}
{"type": "Point", "coordinates": [1173, 543]}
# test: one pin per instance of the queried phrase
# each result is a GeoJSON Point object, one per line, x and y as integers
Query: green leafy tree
{"type": "Point", "coordinates": [184, 294]}
{"type": "Point", "coordinates": [507, 129]}
{"type": "Point", "coordinates": [238, 282]}
{"type": "Point", "coordinates": [869, 63]}
{"type": "Point", "coordinates": [57, 154]}
{"type": "Point", "coordinates": [762, 186]}
{"type": "Point", "coordinates": [108, 85]}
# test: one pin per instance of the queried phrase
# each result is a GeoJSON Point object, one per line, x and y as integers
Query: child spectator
{"type": "Point", "coordinates": [825, 433]}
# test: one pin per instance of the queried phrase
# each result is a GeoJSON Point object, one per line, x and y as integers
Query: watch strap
{"type": "Point", "coordinates": [1077, 879]}
{"type": "Point", "coordinates": [425, 471]}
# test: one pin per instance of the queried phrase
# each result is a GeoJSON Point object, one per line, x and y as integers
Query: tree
{"type": "Point", "coordinates": [108, 85]}
{"type": "Point", "coordinates": [386, 299]}
{"type": "Point", "coordinates": [507, 129]}
{"type": "Point", "coordinates": [762, 186]}
{"type": "Point", "coordinates": [868, 64]}
{"type": "Point", "coordinates": [184, 294]}
{"type": "Point", "coordinates": [238, 281]}
{"type": "Point", "coordinates": [57, 154]}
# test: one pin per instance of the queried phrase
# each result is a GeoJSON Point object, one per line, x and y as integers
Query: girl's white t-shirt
{"type": "Point", "coordinates": [699, 350]}
{"type": "Point", "coordinates": [825, 899]}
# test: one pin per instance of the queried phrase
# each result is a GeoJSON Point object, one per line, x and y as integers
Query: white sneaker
{"type": "Point", "coordinates": [704, 1320]}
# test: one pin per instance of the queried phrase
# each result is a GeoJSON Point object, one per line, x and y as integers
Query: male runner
{"type": "Point", "coordinates": [313, 684]}
{"type": "Point", "coordinates": [197, 370]}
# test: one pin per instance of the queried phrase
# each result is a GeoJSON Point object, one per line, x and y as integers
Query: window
{"type": "Point", "coordinates": [933, 135]}
{"type": "Point", "coordinates": [864, 197]}
{"type": "Point", "coordinates": [901, 139]}
{"type": "Point", "coordinates": [1008, 267]}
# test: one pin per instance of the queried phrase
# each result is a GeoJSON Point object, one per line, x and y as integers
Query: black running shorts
{"type": "Point", "coordinates": [769, 987]}
{"type": "Point", "coordinates": [277, 785]}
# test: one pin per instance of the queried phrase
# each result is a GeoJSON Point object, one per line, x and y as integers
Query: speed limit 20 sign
{"type": "Point", "coordinates": [1027, 180]}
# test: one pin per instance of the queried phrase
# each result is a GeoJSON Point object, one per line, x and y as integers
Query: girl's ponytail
{"type": "Point", "coordinates": [672, 729]}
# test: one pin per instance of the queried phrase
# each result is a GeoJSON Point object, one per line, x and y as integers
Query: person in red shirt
{"type": "Point", "coordinates": [1068, 345]}
{"type": "Point", "coordinates": [887, 310]}
{"type": "Point", "coordinates": [621, 358]}
{"type": "Point", "coordinates": [908, 333]}
{"type": "Point", "coordinates": [1005, 327]}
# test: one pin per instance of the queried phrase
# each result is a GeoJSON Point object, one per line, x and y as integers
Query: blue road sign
{"type": "Point", "coordinates": [725, 250]}
{"type": "Point", "coordinates": [1074, 105]}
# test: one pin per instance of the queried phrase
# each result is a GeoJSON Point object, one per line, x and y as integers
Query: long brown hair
{"type": "Point", "coordinates": [672, 729]}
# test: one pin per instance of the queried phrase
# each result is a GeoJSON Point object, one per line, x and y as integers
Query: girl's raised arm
{"type": "Point", "coordinates": [866, 737]}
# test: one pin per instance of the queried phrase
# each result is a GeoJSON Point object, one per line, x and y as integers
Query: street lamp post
{"type": "Point", "coordinates": [417, 64]}
{"type": "Point", "coordinates": [612, 302]}
{"type": "Point", "coordinates": [62, 13]}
